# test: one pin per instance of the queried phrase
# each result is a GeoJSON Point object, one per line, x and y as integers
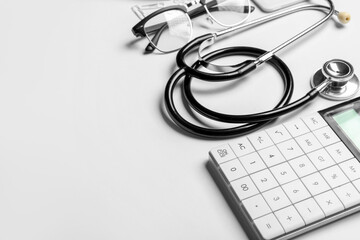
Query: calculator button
{"type": "Point", "coordinates": [308, 142]}
{"type": "Point", "coordinates": [233, 169]}
{"type": "Point", "coordinates": [271, 156]}
{"type": "Point", "coordinates": [348, 195]}
{"type": "Point", "coordinates": [315, 183]}
{"type": "Point", "coordinates": [321, 159]}
{"type": "Point", "coordinates": [269, 227]}
{"type": "Point", "coordinates": [314, 121]}
{"type": "Point", "coordinates": [276, 198]}
{"type": "Point", "coordinates": [351, 168]}
{"type": "Point", "coordinates": [296, 191]}
{"type": "Point", "coordinates": [241, 147]}
{"type": "Point", "coordinates": [310, 210]}
{"type": "Point", "coordinates": [302, 166]}
{"type": "Point", "coordinates": [222, 153]}
{"type": "Point", "coordinates": [244, 187]}
{"type": "Point", "coordinates": [326, 136]}
{"type": "Point", "coordinates": [278, 133]}
{"type": "Point", "coordinates": [339, 152]}
{"type": "Point", "coordinates": [289, 218]}
{"type": "Point", "coordinates": [260, 140]}
{"type": "Point", "coordinates": [329, 203]}
{"type": "Point", "coordinates": [252, 162]}
{"type": "Point", "coordinates": [264, 180]}
{"type": "Point", "coordinates": [296, 127]}
{"type": "Point", "coordinates": [357, 184]}
{"type": "Point", "coordinates": [283, 173]}
{"type": "Point", "coordinates": [290, 149]}
{"type": "Point", "coordinates": [256, 206]}
{"type": "Point", "coordinates": [334, 176]}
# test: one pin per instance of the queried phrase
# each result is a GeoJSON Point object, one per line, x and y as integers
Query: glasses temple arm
{"type": "Point", "coordinates": [154, 41]}
{"type": "Point", "coordinates": [192, 14]}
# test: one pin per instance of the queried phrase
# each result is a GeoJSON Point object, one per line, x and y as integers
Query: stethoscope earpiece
{"type": "Point", "coordinates": [344, 17]}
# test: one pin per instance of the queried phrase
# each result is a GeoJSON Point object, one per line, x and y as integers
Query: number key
{"type": "Point", "coordinates": [244, 187]}
{"type": "Point", "coordinates": [296, 191]}
{"type": "Point", "coordinates": [264, 180]}
{"type": "Point", "coordinates": [276, 198]}
{"type": "Point", "coordinates": [283, 173]}
{"type": "Point", "coordinates": [302, 166]}
{"type": "Point", "coordinates": [290, 149]}
{"type": "Point", "coordinates": [271, 156]}
{"type": "Point", "coordinates": [315, 183]}
{"type": "Point", "coordinates": [233, 169]}
{"type": "Point", "coordinates": [252, 162]}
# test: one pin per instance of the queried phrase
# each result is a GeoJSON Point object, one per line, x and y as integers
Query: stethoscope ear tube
{"type": "Point", "coordinates": [243, 68]}
{"type": "Point", "coordinates": [247, 123]}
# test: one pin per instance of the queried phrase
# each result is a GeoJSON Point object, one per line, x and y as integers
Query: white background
{"type": "Point", "coordinates": [86, 151]}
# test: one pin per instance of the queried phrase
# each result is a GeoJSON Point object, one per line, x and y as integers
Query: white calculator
{"type": "Point", "coordinates": [294, 177]}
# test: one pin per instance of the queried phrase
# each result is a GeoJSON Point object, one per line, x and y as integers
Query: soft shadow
{"type": "Point", "coordinates": [172, 124]}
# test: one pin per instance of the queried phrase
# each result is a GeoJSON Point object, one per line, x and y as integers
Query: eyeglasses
{"type": "Point", "coordinates": [170, 28]}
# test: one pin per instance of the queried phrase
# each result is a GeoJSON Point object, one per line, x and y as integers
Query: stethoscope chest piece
{"type": "Point", "coordinates": [344, 84]}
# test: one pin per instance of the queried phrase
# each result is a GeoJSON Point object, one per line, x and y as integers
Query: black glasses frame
{"type": "Point", "coordinates": [139, 29]}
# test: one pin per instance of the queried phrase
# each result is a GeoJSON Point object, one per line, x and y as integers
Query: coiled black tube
{"type": "Point", "coordinates": [247, 123]}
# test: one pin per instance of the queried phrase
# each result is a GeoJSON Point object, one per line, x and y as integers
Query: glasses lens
{"type": "Point", "coordinates": [169, 31]}
{"type": "Point", "coordinates": [229, 12]}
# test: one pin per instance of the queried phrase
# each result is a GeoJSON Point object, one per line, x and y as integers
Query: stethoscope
{"type": "Point", "coordinates": [336, 80]}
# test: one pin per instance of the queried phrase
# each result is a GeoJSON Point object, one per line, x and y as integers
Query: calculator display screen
{"type": "Point", "coordinates": [349, 123]}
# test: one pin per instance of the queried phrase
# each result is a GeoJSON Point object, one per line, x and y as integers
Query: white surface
{"type": "Point", "coordinates": [85, 149]}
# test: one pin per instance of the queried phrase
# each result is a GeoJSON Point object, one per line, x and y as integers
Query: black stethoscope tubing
{"type": "Point", "coordinates": [247, 123]}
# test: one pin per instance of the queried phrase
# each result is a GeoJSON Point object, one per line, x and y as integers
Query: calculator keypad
{"type": "Point", "coordinates": [302, 166]}
{"type": "Point", "coordinates": [290, 149]}
{"type": "Point", "coordinates": [244, 188]}
{"type": "Point", "coordinates": [252, 162]}
{"type": "Point", "coordinates": [329, 203]}
{"type": "Point", "coordinates": [339, 152]}
{"type": "Point", "coordinates": [271, 156]}
{"type": "Point", "coordinates": [310, 210]}
{"type": "Point", "coordinates": [291, 175]}
{"type": "Point", "coordinates": [256, 206]}
{"type": "Point", "coordinates": [351, 168]}
{"type": "Point", "coordinates": [242, 147]}
{"type": "Point", "coordinates": [289, 219]}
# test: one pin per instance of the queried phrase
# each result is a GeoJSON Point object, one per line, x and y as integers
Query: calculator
{"type": "Point", "coordinates": [289, 179]}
